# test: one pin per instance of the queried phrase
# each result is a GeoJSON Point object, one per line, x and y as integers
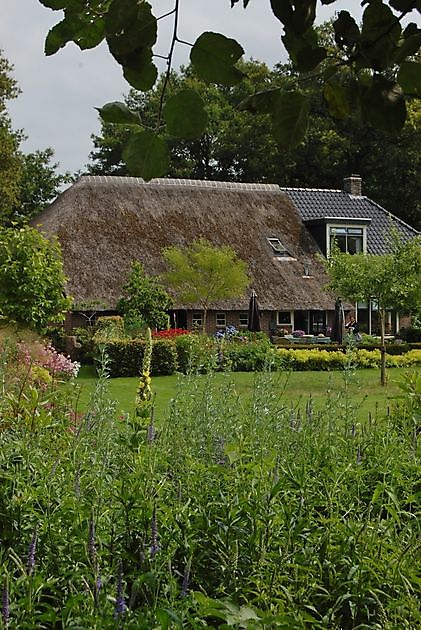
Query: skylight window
{"type": "Point", "coordinates": [278, 248]}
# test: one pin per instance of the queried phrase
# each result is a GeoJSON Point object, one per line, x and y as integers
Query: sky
{"type": "Point", "coordinates": [59, 93]}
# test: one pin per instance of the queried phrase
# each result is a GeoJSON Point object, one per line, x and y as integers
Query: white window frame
{"type": "Point", "coordinates": [221, 315]}
{"type": "Point", "coordinates": [360, 226]}
{"type": "Point", "coordinates": [245, 317]}
{"type": "Point", "coordinates": [197, 318]}
{"type": "Point", "coordinates": [277, 251]}
{"type": "Point", "coordinates": [291, 319]}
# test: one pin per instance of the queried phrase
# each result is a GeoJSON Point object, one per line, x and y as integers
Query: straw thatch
{"type": "Point", "coordinates": [104, 223]}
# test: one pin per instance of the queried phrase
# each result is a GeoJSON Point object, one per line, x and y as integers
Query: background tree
{"type": "Point", "coordinates": [239, 146]}
{"type": "Point", "coordinates": [202, 274]}
{"type": "Point", "coordinates": [28, 182]}
{"type": "Point", "coordinates": [391, 280]}
{"type": "Point", "coordinates": [10, 160]}
{"type": "Point", "coordinates": [31, 279]}
{"type": "Point", "coordinates": [145, 302]}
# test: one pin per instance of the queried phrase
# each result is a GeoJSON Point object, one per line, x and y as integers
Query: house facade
{"type": "Point", "coordinates": [105, 223]}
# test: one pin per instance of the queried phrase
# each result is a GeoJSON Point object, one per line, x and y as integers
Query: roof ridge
{"type": "Point", "coordinates": [313, 189]}
{"type": "Point", "coordinates": [187, 183]}
{"type": "Point", "coordinates": [394, 217]}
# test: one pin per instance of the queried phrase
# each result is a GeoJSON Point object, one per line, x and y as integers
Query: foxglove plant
{"type": "Point", "coordinates": [5, 607]}
{"type": "Point", "coordinates": [154, 549]}
{"type": "Point", "coordinates": [120, 602]}
{"type": "Point", "coordinates": [31, 552]}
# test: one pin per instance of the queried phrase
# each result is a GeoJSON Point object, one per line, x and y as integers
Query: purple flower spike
{"type": "Point", "coordinates": [91, 541]}
{"type": "Point", "coordinates": [31, 552]}
{"type": "Point", "coordinates": [154, 534]}
{"type": "Point", "coordinates": [5, 608]}
{"type": "Point", "coordinates": [186, 581]}
{"type": "Point", "coordinates": [359, 455]}
{"type": "Point", "coordinates": [151, 433]}
{"type": "Point", "coordinates": [120, 604]}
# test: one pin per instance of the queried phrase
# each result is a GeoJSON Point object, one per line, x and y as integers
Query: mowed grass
{"type": "Point", "coordinates": [362, 388]}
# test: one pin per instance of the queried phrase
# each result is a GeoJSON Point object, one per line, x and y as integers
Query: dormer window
{"type": "Point", "coordinates": [277, 247]}
{"type": "Point", "coordinates": [349, 239]}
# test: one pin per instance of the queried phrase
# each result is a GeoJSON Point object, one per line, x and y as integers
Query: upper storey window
{"type": "Point", "coordinates": [349, 239]}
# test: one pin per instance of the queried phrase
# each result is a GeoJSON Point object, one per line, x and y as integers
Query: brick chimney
{"type": "Point", "coordinates": [353, 185]}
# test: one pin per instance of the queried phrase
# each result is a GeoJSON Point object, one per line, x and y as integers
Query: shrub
{"type": "Point", "coordinates": [251, 357]}
{"type": "Point", "coordinates": [411, 334]}
{"type": "Point", "coordinates": [196, 353]}
{"type": "Point", "coordinates": [109, 326]}
{"type": "Point", "coordinates": [85, 338]}
{"type": "Point", "coordinates": [164, 357]}
{"type": "Point", "coordinates": [125, 356]}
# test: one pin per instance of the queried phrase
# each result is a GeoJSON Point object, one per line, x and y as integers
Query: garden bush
{"type": "Point", "coordinates": [125, 356]}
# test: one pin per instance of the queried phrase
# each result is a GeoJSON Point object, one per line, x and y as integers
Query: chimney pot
{"type": "Point", "coordinates": [353, 185]}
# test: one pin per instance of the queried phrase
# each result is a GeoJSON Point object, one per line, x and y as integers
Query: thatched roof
{"type": "Point", "coordinates": [104, 223]}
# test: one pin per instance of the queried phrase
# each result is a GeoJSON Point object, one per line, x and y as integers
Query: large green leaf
{"type": "Point", "coordinates": [130, 26]}
{"type": "Point", "coordinates": [261, 102]}
{"type": "Point", "coordinates": [411, 43]}
{"type": "Point", "coordinates": [214, 56]}
{"type": "Point", "coordinates": [91, 34]}
{"type": "Point", "coordinates": [185, 115]}
{"type": "Point", "coordinates": [346, 29]}
{"type": "Point", "coordinates": [379, 36]}
{"type": "Point", "coordinates": [63, 32]}
{"type": "Point", "coordinates": [409, 78]}
{"type": "Point", "coordinates": [304, 50]}
{"type": "Point", "coordinates": [139, 70]}
{"type": "Point", "coordinates": [297, 17]}
{"type": "Point", "coordinates": [118, 114]}
{"type": "Point", "coordinates": [383, 105]}
{"type": "Point", "coordinates": [56, 5]}
{"type": "Point", "coordinates": [336, 97]}
{"type": "Point", "coordinates": [146, 155]}
{"type": "Point", "coordinates": [290, 119]}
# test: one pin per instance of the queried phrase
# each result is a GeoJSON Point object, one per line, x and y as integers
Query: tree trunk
{"type": "Point", "coordinates": [205, 314]}
{"type": "Point", "coordinates": [383, 376]}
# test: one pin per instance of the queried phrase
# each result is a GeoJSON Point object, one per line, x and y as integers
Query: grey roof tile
{"type": "Point", "coordinates": [315, 204]}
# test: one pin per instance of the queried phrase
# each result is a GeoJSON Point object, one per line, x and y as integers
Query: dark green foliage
{"type": "Point", "coordinates": [412, 334]}
{"type": "Point", "coordinates": [31, 279]}
{"type": "Point", "coordinates": [145, 301]}
{"type": "Point", "coordinates": [125, 356]}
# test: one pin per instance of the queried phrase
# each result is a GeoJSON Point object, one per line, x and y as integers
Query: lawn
{"type": "Point", "coordinates": [364, 389]}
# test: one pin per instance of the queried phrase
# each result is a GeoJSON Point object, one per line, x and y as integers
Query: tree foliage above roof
{"type": "Point", "coordinates": [371, 73]}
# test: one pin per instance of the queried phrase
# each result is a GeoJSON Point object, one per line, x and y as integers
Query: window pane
{"type": "Point", "coordinates": [340, 242]}
{"type": "Point", "coordinates": [338, 230]}
{"type": "Point", "coordinates": [284, 317]}
{"type": "Point", "coordinates": [221, 319]}
{"type": "Point", "coordinates": [355, 231]}
{"type": "Point", "coordinates": [355, 244]}
{"type": "Point", "coordinates": [243, 319]}
{"type": "Point", "coordinates": [197, 319]}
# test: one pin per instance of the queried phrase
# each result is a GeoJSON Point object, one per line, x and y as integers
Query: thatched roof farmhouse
{"type": "Point", "coordinates": [104, 223]}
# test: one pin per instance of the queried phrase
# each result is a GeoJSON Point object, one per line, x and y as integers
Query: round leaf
{"type": "Point", "coordinates": [383, 105]}
{"type": "Point", "coordinates": [146, 155]}
{"type": "Point", "coordinates": [214, 56]}
{"type": "Point", "coordinates": [410, 78]}
{"type": "Point", "coordinates": [185, 115]}
{"type": "Point", "coordinates": [118, 113]}
{"type": "Point", "coordinates": [290, 119]}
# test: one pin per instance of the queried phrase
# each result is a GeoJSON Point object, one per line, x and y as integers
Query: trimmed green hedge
{"type": "Point", "coordinates": [196, 353]}
{"type": "Point", "coordinates": [125, 356]}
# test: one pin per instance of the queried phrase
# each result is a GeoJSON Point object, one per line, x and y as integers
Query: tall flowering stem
{"type": "Point", "coordinates": [154, 534]}
{"type": "Point", "coordinates": [120, 603]}
{"type": "Point", "coordinates": [144, 390]}
{"type": "Point", "coordinates": [5, 605]}
{"type": "Point", "coordinates": [32, 552]}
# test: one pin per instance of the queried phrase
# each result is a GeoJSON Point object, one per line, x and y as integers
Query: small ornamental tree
{"type": "Point", "coordinates": [31, 279]}
{"type": "Point", "coordinates": [202, 274]}
{"type": "Point", "coordinates": [392, 280]}
{"type": "Point", "coordinates": [145, 302]}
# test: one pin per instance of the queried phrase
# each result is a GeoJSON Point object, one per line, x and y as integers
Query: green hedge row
{"type": "Point", "coordinates": [195, 353]}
